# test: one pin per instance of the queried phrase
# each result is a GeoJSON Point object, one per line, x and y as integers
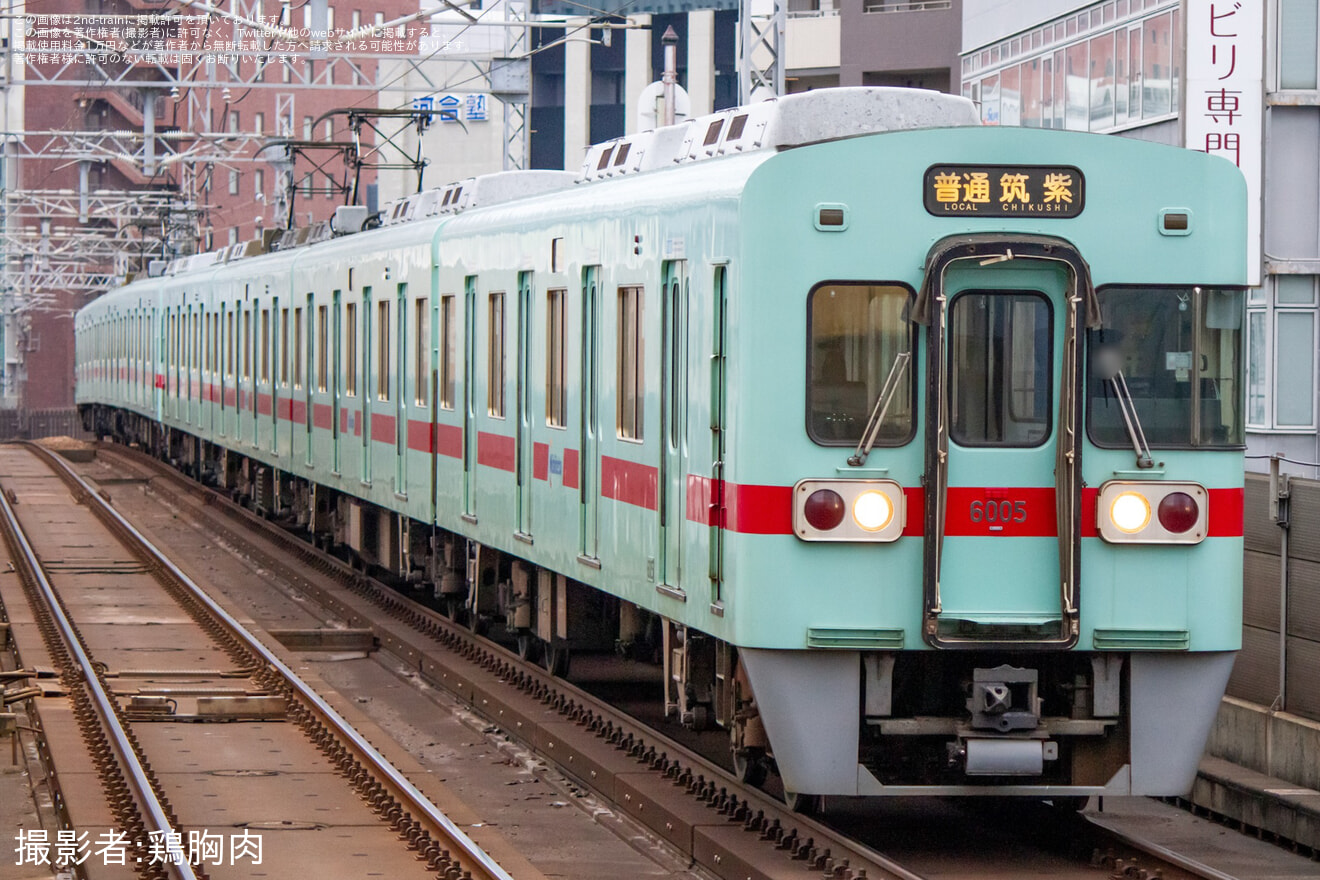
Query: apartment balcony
{"type": "Point", "coordinates": [812, 38]}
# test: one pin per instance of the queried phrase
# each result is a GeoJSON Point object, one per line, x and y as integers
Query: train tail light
{"type": "Point", "coordinates": [848, 510]}
{"type": "Point", "coordinates": [1152, 512]}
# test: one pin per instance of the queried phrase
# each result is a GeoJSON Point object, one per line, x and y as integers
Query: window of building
{"type": "Point", "coordinates": [1297, 44]}
{"type": "Point", "coordinates": [554, 359]}
{"type": "Point", "coordinates": [307, 134]}
{"type": "Point", "coordinates": [259, 181]}
{"type": "Point", "coordinates": [1099, 70]}
{"type": "Point", "coordinates": [235, 126]}
{"type": "Point", "coordinates": [234, 180]}
{"type": "Point", "coordinates": [1281, 355]}
{"type": "Point", "coordinates": [631, 395]}
{"type": "Point", "coordinates": [495, 352]}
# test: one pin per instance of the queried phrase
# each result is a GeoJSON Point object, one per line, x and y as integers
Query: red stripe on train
{"type": "Point", "coordinates": [495, 450]}
{"type": "Point", "coordinates": [629, 482]}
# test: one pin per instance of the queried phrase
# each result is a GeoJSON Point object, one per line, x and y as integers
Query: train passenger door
{"type": "Point", "coordinates": [304, 335]}
{"type": "Point", "coordinates": [401, 389]}
{"type": "Point", "coordinates": [1001, 526]}
{"type": "Point", "coordinates": [672, 506]}
{"type": "Point", "coordinates": [589, 464]}
{"type": "Point", "coordinates": [469, 398]}
{"type": "Point", "coordinates": [274, 342]}
{"type": "Point", "coordinates": [523, 420]}
{"type": "Point", "coordinates": [367, 391]}
{"type": "Point", "coordinates": [336, 377]}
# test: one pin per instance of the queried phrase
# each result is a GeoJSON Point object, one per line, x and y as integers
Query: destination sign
{"type": "Point", "coordinates": [1055, 191]}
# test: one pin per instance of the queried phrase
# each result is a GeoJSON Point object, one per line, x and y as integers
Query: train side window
{"type": "Point", "coordinates": [383, 350]}
{"type": "Point", "coordinates": [232, 359]}
{"type": "Point", "coordinates": [422, 351]}
{"type": "Point", "coordinates": [447, 352]}
{"type": "Point", "coordinates": [631, 382]}
{"type": "Point", "coordinates": [247, 343]}
{"type": "Point", "coordinates": [495, 353]}
{"type": "Point", "coordinates": [284, 347]}
{"type": "Point", "coordinates": [856, 332]}
{"type": "Point", "coordinates": [297, 347]}
{"type": "Point", "coordinates": [322, 347]}
{"type": "Point", "coordinates": [265, 346]}
{"type": "Point", "coordinates": [350, 349]}
{"type": "Point", "coordinates": [554, 358]}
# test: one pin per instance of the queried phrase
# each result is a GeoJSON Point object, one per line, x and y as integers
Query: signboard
{"type": "Point", "coordinates": [1223, 114]}
{"type": "Point", "coordinates": [1056, 191]}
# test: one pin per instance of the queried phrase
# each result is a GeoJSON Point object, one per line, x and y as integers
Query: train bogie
{"type": "Point", "coordinates": [913, 452]}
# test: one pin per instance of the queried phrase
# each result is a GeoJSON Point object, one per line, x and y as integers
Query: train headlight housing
{"type": "Point", "coordinates": [848, 510]}
{"type": "Point", "coordinates": [1152, 512]}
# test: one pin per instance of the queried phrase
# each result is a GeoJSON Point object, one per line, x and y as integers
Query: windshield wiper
{"type": "Point", "coordinates": [1128, 407]}
{"type": "Point", "coordinates": [882, 402]}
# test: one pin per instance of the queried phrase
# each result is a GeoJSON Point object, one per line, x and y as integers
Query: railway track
{"type": "Point", "coordinates": [149, 785]}
{"type": "Point", "coordinates": [684, 798]}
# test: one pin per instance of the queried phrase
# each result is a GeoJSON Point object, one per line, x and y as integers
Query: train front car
{"type": "Point", "coordinates": [984, 506]}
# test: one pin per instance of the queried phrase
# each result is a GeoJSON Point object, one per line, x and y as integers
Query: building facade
{"type": "Point", "coordinates": [1130, 67]}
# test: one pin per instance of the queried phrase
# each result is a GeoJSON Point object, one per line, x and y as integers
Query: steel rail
{"type": "Point", "coordinates": [415, 800]}
{"type": "Point", "coordinates": [136, 776]}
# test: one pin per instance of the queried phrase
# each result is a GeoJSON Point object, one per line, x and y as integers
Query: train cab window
{"type": "Point", "coordinates": [1179, 352]}
{"type": "Point", "coordinates": [1000, 374]}
{"type": "Point", "coordinates": [495, 354]}
{"type": "Point", "coordinates": [631, 383]}
{"type": "Point", "coordinates": [856, 334]}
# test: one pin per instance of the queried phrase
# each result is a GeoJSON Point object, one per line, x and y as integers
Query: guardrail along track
{"type": "Point", "coordinates": [272, 692]}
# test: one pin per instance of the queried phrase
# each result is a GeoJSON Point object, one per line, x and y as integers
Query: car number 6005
{"type": "Point", "coordinates": [999, 511]}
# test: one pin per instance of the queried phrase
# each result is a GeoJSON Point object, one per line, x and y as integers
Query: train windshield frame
{"type": "Point", "coordinates": [855, 332]}
{"type": "Point", "coordinates": [1160, 336]}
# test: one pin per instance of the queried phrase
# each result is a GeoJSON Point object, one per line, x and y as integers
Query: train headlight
{"type": "Point", "coordinates": [1152, 512]}
{"type": "Point", "coordinates": [872, 511]}
{"type": "Point", "coordinates": [1129, 512]}
{"type": "Point", "coordinates": [821, 510]}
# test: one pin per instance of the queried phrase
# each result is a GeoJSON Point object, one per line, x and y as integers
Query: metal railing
{"type": "Point", "coordinates": [912, 6]}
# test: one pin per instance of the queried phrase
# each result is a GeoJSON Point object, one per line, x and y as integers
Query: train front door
{"type": "Point", "coordinates": [1001, 527]}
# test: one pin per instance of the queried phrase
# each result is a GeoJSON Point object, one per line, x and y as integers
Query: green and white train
{"type": "Point", "coordinates": [913, 447]}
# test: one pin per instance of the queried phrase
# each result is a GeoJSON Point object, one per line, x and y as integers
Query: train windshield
{"type": "Point", "coordinates": [856, 333]}
{"type": "Point", "coordinates": [1180, 353]}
